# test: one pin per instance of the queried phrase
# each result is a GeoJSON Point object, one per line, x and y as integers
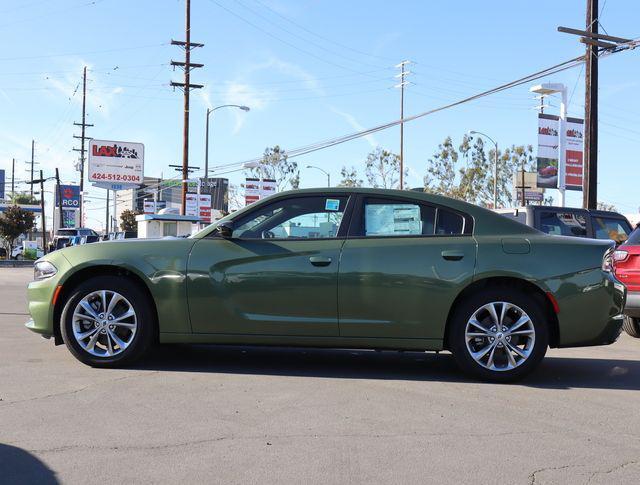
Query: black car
{"type": "Point", "coordinates": [571, 221]}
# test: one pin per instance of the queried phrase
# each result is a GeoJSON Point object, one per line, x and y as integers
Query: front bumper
{"type": "Point", "coordinates": [632, 306]}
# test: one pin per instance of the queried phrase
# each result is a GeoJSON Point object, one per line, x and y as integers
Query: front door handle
{"type": "Point", "coordinates": [319, 261]}
{"type": "Point", "coordinates": [452, 255]}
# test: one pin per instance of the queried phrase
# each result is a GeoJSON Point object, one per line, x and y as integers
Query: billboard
{"type": "Point", "coordinates": [116, 162]}
{"type": "Point", "coordinates": [151, 206]}
{"type": "Point", "coordinates": [574, 150]}
{"type": "Point", "coordinates": [70, 196]}
{"type": "Point", "coordinates": [218, 189]}
{"type": "Point", "coordinates": [1, 184]}
{"type": "Point", "coordinates": [547, 162]}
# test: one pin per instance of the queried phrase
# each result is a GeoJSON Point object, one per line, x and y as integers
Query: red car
{"type": "Point", "coordinates": [549, 171]}
{"type": "Point", "coordinates": [626, 263]}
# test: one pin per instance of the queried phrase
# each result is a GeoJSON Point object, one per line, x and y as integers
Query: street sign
{"type": "Point", "coordinates": [116, 162]}
{"type": "Point", "coordinates": [70, 196]}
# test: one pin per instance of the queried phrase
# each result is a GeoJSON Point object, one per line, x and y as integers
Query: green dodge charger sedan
{"type": "Point", "coordinates": [347, 268]}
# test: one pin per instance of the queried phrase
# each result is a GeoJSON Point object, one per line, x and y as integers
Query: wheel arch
{"type": "Point", "coordinates": [90, 272]}
{"type": "Point", "coordinates": [510, 282]}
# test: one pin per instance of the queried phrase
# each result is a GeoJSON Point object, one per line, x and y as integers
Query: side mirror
{"type": "Point", "coordinates": [225, 229]}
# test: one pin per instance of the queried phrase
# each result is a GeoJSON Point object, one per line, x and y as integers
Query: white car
{"type": "Point", "coordinates": [16, 253]}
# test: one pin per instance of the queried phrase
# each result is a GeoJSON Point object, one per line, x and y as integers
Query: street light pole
{"type": "Point", "coordinates": [206, 147]}
{"type": "Point", "coordinates": [323, 171]}
{"type": "Point", "coordinates": [495, 167]}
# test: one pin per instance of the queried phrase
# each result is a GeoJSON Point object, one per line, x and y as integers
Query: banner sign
{"type": "Point", "coordinates": [256, 189]}
{"type": "Point", "coordinates": [252, 188]}
{"type": "Point", "coordinates": [529, 195]}
{"type": "Point", "coordinates": [1, 184]}
{"type": "Point", "coordinates": [116, 162]}
{"type": "Point", "coordinates": [574, 150]}
{"type": "Point", "coordinates": [151, 206]}
{"type": "Point", "coordinates": [70, 196]}
{"type": "Point", "coordinates": [199, 205]}
{"type": "Point", "coordinates": [547, 151]}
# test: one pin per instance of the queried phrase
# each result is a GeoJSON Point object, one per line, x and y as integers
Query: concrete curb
{"type": "Point", "coordinates": [12, 263]}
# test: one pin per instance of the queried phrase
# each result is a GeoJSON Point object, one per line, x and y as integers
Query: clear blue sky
{"type": "Point", "coordinates": [309, 70]}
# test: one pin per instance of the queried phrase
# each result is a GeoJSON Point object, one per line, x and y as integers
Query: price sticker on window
{"type": "Point", "coordinates": [332, 205]}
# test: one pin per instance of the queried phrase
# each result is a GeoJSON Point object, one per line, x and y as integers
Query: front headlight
{"type": "Point", "coordinates": [43, 270]}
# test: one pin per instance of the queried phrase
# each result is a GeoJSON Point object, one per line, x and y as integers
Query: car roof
{"type": "Point", "coordinates": [491, 222]}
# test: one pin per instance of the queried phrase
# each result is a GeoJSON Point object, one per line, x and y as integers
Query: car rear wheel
{"type": "Point", "coordinates": [499, 334]}
{"type": "Point", "coordinates": [631, 326]}
{"type": "Point", "coordinates": [108, 322]}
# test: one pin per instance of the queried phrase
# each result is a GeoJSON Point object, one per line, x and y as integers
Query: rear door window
{"type": "Point", "coordinates": [612, 228]}
{"type": "Point", "coordinates": [563, 223]}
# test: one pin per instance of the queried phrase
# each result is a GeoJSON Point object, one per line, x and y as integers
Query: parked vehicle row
{"type": "Point", "coordinates": [346, 268]}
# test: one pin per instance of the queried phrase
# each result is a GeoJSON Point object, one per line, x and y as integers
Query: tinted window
{"type": "Point", "coordinates": [563, 223]}
{"type": "Point", "coordinates": [297, 218]}
{"type": "Point", "coordinates": [449, 223]}
{"type": "Point", "coordinates": [634, 237]}
{"type": "Point", "coordinates": [611, 228]}
{"type": "Point", "coordinates": [390, 218]}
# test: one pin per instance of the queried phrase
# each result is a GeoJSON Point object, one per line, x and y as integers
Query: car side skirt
{"type": "Point", "coordinates": [297, 341]}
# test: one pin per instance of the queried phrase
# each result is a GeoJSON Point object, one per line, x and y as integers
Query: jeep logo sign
{"type": "Point", "coordinates": [70, 196]}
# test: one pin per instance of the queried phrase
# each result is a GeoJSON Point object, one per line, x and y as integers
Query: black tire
{"type": "Point", "coordinates": [631, 326]}
{"type": "Point", "coordinates": [145, 320]}
{"type": "Point", "coordinates": [458, 344]}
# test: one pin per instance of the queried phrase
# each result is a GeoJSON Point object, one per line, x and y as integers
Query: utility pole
{"type": "Point", "coordinates": [59, 191]}
{"type": "Point", "coordinates": [82, 139]}
{"type": "Point", "coordinates": [44, 227]}
{"type": "Point", "coordinates": [13, 178]}
{"type": "Point", "coordinates": [401, 85]}
{"type": "Point", "coordinates": [590, 182]}
{"type": "Point", "coordinates": [595, 43]}
{"type": "Point", "coordinates": [106, 222]}
{"type": "Point", "coordinates": [33, 143]}
{"type": "Point", "coordinates": [186, 86]}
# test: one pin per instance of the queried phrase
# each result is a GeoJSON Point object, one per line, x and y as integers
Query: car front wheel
{"type": "Point", "coordinates": [107, 321]}
{"type": "Point", "coordinates": [499, 334]}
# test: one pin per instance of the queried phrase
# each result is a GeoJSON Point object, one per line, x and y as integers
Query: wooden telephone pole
{"type": "Point", "coordinates": [82, 139]}
{"type": "Point", "coordinates": [186, 86]}
{"type": "Point", "coordinates": [595, 43]}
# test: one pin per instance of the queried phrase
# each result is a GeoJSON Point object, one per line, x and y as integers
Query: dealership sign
{"type": "Point", "coordinates": [256, 189]}
{"type": "Point", "coordinates": [116, 162]}
{"type": "Point", "coordinates": [574, 149]}
{"type": "Point", "coordinates": [70, 196]}
{"type": "Point", "coordinates": [548, 166]}
{"type": "Point", "coordinates": [198, 205]}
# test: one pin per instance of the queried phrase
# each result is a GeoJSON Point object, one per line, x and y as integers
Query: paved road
{"type": "Point", "coordinates": [238, 415]}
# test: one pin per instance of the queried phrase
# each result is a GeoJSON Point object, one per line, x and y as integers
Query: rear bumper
{"type": "Point", "coordinates": [632, 306]}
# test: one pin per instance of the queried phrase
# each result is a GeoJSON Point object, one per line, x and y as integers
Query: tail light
{"type": "Point", "coordinates": [619, 256]}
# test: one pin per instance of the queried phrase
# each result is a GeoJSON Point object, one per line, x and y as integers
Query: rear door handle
{"type": "Point", "coordinates": [452, 255]}
{"type": "Point", "coordinates": [319, 261]}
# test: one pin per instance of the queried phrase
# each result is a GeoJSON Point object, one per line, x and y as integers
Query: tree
{"type": "Point", "coordinates": [24, 198]}
{"type": "Point", "coordinates": [128, 220]}
{"type": "Point", "coordinates": [275, 165]}
{"type": "Point", "coordinates": [350, 177]}
{"type": "Point", "coordinates": [604, 206]}
{"type": "Point", "coordinates": [474, 181]}
{"type": "Point", "coordinates": [14, 222]}
{"type": "Point", "coordinates": [382, 169]}
{"type": "Point", "coordinates": [234, 198]}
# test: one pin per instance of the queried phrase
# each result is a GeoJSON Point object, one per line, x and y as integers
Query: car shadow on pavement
{"type": "Point", "coordinates": [18, 466]}
{"type": "Point", "coordinates": [553, 373]}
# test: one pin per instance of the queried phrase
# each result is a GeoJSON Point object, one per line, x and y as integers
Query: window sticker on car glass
{"type": "Point", "coordinates": [392, 220]}
{"type": "Point", "coordinates": [332, 205]}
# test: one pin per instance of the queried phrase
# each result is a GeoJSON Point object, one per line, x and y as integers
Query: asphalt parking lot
{"type": "Point", "coordinates": [207, 414]}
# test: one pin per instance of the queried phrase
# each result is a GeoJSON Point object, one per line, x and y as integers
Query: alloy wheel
{"type": "Point", "coordinates": [104, 323]}
{"type": "Point", "coordinates": [500, 336]}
